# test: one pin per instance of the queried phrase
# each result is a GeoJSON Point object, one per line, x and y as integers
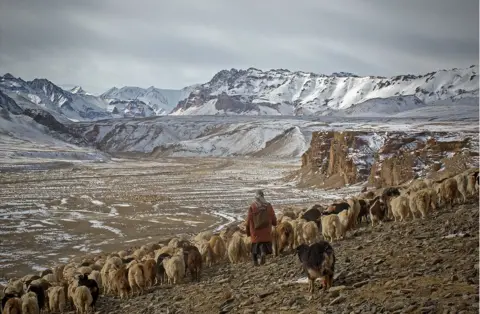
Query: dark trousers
{"type": "Point", "coordinates": [261, 249]}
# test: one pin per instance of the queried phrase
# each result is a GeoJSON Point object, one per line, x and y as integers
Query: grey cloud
{"type": "Point", "coordinates": [170, 44]}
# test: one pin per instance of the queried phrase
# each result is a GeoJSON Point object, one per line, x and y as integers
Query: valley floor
{"type": "Point", "coordinates": [53, 211]}
{"type": "Point", "coordinates": [422, 266]}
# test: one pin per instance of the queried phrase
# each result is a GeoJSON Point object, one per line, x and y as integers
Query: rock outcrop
{"type": "Point", "coordinates": [336, 159]}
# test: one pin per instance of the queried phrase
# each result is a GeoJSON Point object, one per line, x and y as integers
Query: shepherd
{"type": "Point", "coordinates": [260, 219]}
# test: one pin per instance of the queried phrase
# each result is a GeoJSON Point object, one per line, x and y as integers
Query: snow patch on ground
{"type": "Point", "coordinates": [113, 211]}
{"type": "Point", "coordinates": [101, 225]}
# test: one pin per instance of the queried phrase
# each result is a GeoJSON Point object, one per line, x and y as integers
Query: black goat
{"type": "Point", "coordinates": [92, 285]}
{"type": "Point", "coordinates": [46, 272]}
{"type": "Point", "coordinates": [40, 292]}
{"type": "Point", "coordinates": [127, 260]}
{"type": "Point", "coordinates": [391, 191]}
{"type": "Point", "coordinates": [336, 208]}
{"type": "Point", "coordinates": [313, 213]}
{"type": "Point", "coordinates": [27, 283]}
{"type": "Point", "coordinates": [318, 260]}
{"type": "Point", "coordinates": [364, 207]}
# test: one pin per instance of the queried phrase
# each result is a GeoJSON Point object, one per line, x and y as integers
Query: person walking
{"type": "Point", "coordinates": [260, 219]}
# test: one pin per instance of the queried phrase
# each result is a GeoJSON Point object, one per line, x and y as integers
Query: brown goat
{"type": "Point", "coordinates": [194, 263]}
{"type": "Point", "coordinates": [13, 306]}
{"type": "Point", "coordinates": [120, 282]}
{"type": "Point", "coordinates": [218, 248]}
{"type": "Point", "coordinates": [284, 237]}
{"type": "Point", "coordinates": [149, 267]}
{"type": "Point", "coordinates": [449, 191]}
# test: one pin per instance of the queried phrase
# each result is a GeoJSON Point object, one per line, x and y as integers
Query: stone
{"type": "Point", "coordinates": [334, 294]}
{"type": "Point", "coordinates": [337, 288]}
{"type": "Point", "coordinates": [339, 275]}
{"type": "Point", "coordinates": [264, 294]}
{"type": "Point", "coordinates": [396, 306]}
{"type": "Point", "coordinates": [338, 300]}
{"type": "Point", "coordinates": [360, 283]}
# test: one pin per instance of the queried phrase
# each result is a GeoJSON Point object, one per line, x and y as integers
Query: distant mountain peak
{"type": "Point", "coordinates": [42, 94]}
{"type": "Point", "coordinates": [9, 76]}
{"type": "Point", "coordinates": [343, 74]}
{"type": "Point", "coordinates": [78, 90]}
{"type": "Point", "coordinates": [160, 100]}
{"type": "Point", "coordinates": [110, 91]}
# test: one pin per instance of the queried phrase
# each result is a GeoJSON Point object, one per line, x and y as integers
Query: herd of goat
{"type": "Point", "coordinates": [78, 284]}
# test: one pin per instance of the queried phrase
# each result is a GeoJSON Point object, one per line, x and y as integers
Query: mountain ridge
{"type": "Point", "coordinates": [40, 93]}
{"type": "Point", "coordinates": [254, 92]}
{"type": "Point", "coordinates": [160, 100]}
{"type": "Point", "coordinates": [282, 92]}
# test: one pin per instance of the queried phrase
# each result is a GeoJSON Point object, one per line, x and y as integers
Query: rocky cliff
{"type": "Point", "coordinates": [335, 158]}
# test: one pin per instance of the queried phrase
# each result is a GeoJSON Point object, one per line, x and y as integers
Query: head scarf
{"type": "Point", "coordinates": [260, 197]}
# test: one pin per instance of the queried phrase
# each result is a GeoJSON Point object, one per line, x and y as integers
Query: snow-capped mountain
{"type": "Point", "coordinates": [43, 94]}
{"type": "Point", "coordinates": [257, 92]}
{"type": "Point", "coordinates": [383, 106]}
{"type": "Point", "coordinates": [161, 101]}
{"type": "Point", "coordinates": [33, 124]}
{"type": "Point", "coordinates": [9, 105]}
{"type": "Point", "coordinates": [281, 92]}
{"type": "Point", "coordinates": [78, 90]}
{"type": "Point", "coordinates": [130, 108]}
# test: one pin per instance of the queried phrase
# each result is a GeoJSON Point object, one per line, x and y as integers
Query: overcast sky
{"type": "Point", "coordinates": [170, 44]}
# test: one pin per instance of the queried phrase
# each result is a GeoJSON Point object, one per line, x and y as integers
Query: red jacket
{"type": "Point", "coordinates": [264, 234]}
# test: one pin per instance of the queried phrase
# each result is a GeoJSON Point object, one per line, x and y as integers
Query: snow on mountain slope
{"type": "Point", "coordinates": [131, 108]}
{"type": "Point", "coordinates": [78, 90]}
{"type": "Point", "coordinates": [457, 111]}
{"type": "Point", "coordinates": [240, 135]}
{"type": "Point", "coordinates": [138, 135]}
{"type": "Point", "coordinates": [225, 104]}
{"type": "Point", "coordinates": [161, 101]}
{"type": "Point", "coordinates": [34, 133]}
{"type": "Point", "coordinates": [228, 140]}
{"type": "Point", "coordinates": [291, 142]}
{"type": "Point", "coordinates": [301, 93]}
{"type": "Point", "coordinates": [383, 107]}
{"type": "Point", "coordinates": [50, 97]}
{"type": "Point", "coordinates": [9, 105]}
{"type": "Point", "coordinates": [213, 136]}
{"type": "Point", "coordinates": [24, 140]}
{"type": "Point", "coordinates": [256, 92]}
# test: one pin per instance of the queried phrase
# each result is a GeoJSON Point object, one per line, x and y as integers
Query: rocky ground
{"type": "Point", "coordinates": [422, 266]}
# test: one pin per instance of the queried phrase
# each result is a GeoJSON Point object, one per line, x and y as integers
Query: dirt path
{"type": "Point", "coordinates": [392, 268]}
